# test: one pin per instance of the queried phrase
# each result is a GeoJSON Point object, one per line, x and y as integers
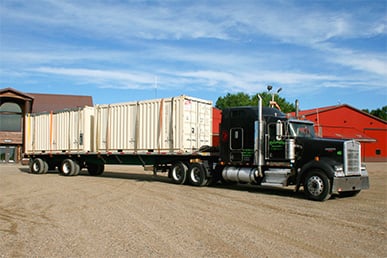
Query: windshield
{"type": "Point", "coordinates": [301, 130]}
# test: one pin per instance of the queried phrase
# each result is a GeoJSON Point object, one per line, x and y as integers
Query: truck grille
{"type": "Point", "coordinates": [352, 163]}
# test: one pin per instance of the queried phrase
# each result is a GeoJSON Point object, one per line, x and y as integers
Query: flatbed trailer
{"type": "Point", "coordinates": [192, 168]}
{"type": "Point", "coordinates": [164, 135]}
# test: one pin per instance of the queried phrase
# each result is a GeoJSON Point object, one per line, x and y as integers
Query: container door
{"type": "Point", "coordinates": [205, 125]}
{"type": "Point", "coordinates": [190, 126]}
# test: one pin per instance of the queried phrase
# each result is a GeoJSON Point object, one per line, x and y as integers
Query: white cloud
{"type": "Point", "coordinates": [283, 20]}
{"type": "Point", "coordinates": [363, 62]}
{"type": "Point", "coordinates": [367, 61]}
{"type": "Point", "coordinates": [134, 79]}
{"type": "Point", "coordinates": [222, 45]}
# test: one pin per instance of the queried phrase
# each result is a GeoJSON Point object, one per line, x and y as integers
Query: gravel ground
{"type": "Point", "coordinates": [131, 213]}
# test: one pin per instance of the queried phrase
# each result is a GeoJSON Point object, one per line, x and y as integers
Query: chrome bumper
{"type": "Point", "coordinates": [354, 183]}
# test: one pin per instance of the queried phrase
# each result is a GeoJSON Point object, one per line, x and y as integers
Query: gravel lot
{"type": "Point", "coordinates": [131, 213]}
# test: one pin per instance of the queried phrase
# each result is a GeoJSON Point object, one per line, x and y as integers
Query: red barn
{"type": "Point", "coordinates": [346, 122]}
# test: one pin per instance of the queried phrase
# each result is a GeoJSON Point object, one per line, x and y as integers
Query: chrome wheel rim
{"type": "Point", "coordinates": [195, 175]}
{"type": "Point", "coordinates": [315, 185]}
{"type": "Point", "coordinates": [177, 173]}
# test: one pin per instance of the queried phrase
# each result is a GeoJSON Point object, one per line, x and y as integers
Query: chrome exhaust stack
{"type": "Point", "coordinates": [259, 137]}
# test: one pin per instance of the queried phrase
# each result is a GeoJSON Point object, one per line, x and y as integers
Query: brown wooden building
{"type": "Point", "coordinates": [15, 104]}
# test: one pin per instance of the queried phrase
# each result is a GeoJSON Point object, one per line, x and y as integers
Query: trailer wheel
{"type": "Point", "coordinates": [179, 173]}
{"type": "Point", "coordinates": [38, 166]}
{"type": "Point", "coordinates": [69, 167]}
{"type": "Point", "coordinates": [45, 168]}
{"type": "Point", "coordinates": [317, 186]}
{"type": "Point", "coordinates": [197, 175]}
{"type": "Point", "coordinates": [95, 169]}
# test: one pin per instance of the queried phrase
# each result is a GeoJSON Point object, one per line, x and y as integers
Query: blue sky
{"type": "Point", "coordinates": [320, 52]}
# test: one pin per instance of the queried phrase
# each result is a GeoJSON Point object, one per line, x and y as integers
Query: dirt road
{"type": "Point", "coordinates": [131, 213]}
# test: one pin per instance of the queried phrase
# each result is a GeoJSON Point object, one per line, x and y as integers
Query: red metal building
{"type": "Point", "coordinates": [346, 122]}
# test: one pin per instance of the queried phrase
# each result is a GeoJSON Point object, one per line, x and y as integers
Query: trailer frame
{"type": "Point", "coordinates": [196, 168]}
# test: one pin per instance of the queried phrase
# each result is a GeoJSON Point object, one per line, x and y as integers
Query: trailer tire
{"type": "Point", "coordinates": [69, 167]}
{"type": "Point", "coordinates": [179, 173]}
{"type": "Point", "coordinates": [95, 169]}
{"type": "Point", "coordinates": [317, 186]}
{"type": "Point", "coordinates": [46, 167]}
{"type": "Point", "coordinates": [197, 175]}
{"type": "Point", "coordinates": [38, 166]}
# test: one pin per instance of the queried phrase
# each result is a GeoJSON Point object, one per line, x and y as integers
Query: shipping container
{"type": "Point", "coordinates": [172, 125]}
{"type": "Point", "coordinates": [179, 124]}
{"type": "Point", "coordinates": [61, 131]}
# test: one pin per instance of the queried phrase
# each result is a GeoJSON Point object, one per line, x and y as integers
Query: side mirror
{"type": "Point", "coordinates": [279, 130]}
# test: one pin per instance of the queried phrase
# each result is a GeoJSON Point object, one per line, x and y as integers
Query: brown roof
{"type": "Point", "coordinates": [14, 94]}
{"type": "Point", "coordinates": [55, 102]}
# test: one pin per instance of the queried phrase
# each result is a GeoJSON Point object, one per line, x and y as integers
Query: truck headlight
{"type": "Point", "coordinates": [339, 171]}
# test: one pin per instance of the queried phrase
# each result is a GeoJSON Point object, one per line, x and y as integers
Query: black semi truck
{"type": "Point", "coordinates": [263, 146]}
{"type": "Point", "coordinates": [258, 145]}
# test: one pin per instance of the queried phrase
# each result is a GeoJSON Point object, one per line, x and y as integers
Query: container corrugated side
{"type": "Point", "coordinates": [115, 127]}
{"type": "Point", "coordinates": [62, 131]}
{"type": "Point", "coordinates": [179, 124]}
{"type": "Point", "coordinates": [37, 132]}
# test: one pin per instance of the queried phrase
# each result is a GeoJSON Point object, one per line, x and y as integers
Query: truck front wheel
{"type": "Point", "coordinates": [349, 194]}
{"type": "Point", "coordinates": [317, 186]}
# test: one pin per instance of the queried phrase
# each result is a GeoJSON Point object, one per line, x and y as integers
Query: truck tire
{"type": "Point", "coordinates": [197, 175]}
{"type": "Point", "coordinates": [349, 193]}
{"type": "Point", "coordinates": [179, 173]}
{"type": "Point", "coordinates": [95, 169]}
{"type": "Point", "coordinates": [317, 186]}
{"type": "Point", "coordinates": [69, 167]}
{"type": "Point", "coordinates": [38, 166]}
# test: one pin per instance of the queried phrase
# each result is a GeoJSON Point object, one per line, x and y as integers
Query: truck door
{"type": "Point", "coordinates": [236, 144]}
{"type": "Point", "coordinates": [275, 146]}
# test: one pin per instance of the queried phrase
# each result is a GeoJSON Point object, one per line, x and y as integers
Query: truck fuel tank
{"type": "Point", "coordinates": [240, 174]}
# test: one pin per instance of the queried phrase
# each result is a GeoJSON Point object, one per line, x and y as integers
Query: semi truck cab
{"type": "Point", "coordinates": [263, 146]}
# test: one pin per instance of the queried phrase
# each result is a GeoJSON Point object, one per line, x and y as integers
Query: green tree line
{"type": "Point", "coordinates": [243, 99]}
{"type": "Point", "coordinates": [380, 112]}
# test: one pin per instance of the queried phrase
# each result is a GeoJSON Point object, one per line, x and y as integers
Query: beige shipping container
{"type": "Point", "coordinates": [62, 131]}
{"type": "Point", "coordinates": [172, 125]}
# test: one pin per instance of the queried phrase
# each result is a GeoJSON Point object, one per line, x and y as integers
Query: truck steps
{"type": "Point", "coordinates": [276, 177]}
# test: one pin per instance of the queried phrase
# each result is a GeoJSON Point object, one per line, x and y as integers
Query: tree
{"type": "Point", "coordinates": [243, 99]}
{"type": "Point", "coordinates": [233, 100]}
{"type": "Point", "coordinates": [380, 112]}
{"type": "Point", "coordinates": [285, 106]}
